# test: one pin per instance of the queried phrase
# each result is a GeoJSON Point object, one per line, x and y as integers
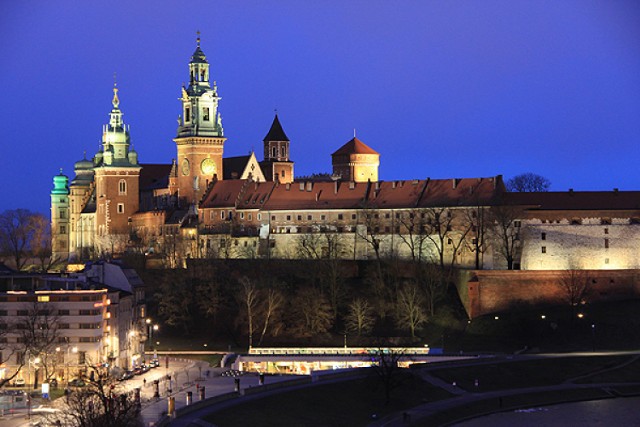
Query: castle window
{"type": "Point", "coordinates": [299, 217]}
{"type": "Point", "coordinates": [353, 216]}
{"type": "Point", "coordinates": [474, 241]}
{"type": "Point", "coordinates": [323, 217]}
{"type": "Point", "coordinates": [63, 213]}
{"type": "Point", "coordinates": [187, 114]}
{"type": "Point", "coordinates": [250, 217]}
{"type": "Point", "coordinates": [288, 217]}
{"type": "Point", "coordinates": [606, 231]}
{"type": "Point", "coordinates": [543, 236]}
{"type": "Point", "coordinates": [449, 242]}
{"type": "Point", "coordinates": [517, 224]}
{"type": "Point", "coordinates": [205, 114]}
{"type": "Point", "coordinates": [63, 229]}
{"type": "Point", "coordinates": [605, 221]}
{"type": "Point", "coordinates": [576, 221]}
{"type": "Point", "coordinates": [282, 151]}
{"type": "Point", "coordinates": [122, 187]}
{"type": "Point", "coordinates": [544, 249]}
{"type": "Point", "coordinates": [241, 215]}
{"type": "Point", "coordinates": [340, 216]}
{"type": "Point", "coordinates": [273, 217]}
{"type": "Point", "coordinates": [606, 243]}
{"type": "Point", "coordinates": [120, 208]}
{"type": "Point", "coordinates": [606, 260]}
{"type": "Point", "coordinates": [309, 217]}
{"type": "Point", "coordinates": [259, 216]}
{"type": "Point", "coordinates": [274, 152]}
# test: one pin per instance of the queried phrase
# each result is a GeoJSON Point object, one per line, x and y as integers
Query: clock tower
{"type": "Point", "coordinates": [200, 137]}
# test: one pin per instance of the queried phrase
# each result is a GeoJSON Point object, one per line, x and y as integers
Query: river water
{"type": "Point", "coordinates": [619, 412]}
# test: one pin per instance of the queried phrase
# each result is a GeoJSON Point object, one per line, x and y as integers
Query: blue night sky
{"type": "Point", "coordinates": [441, 89]}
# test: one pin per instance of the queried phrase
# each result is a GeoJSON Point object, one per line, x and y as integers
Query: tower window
{"type": "Point", "coordinates": [274, 152]}
{"type": "Point", "coordinates": [120, 208]}
{"type": "Point", "coordinates": [544, 249]}
{"type": "Point", "coordinates": [122, 187]}
{"type": "Point", "coordinates": [187, 114]}
{"type": "Point", "coordinates": [606, 243]}
{"type": "Point", "coordinates": [544, 236]}
{"type": "Point", "coordinates": [205, 114]}
{"type": "Point", "coordinates": [63, 229]}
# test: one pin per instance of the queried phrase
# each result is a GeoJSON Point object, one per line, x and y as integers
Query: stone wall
{"type": "Point", "coordinates": [490, 291]}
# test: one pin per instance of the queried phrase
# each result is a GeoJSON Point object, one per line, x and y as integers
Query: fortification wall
{"type": "Point", "coordinates": [489, 291]}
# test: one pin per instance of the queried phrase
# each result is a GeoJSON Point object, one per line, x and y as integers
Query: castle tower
{"type": "Point", "coordinates": [60, 217]}
{"type": "Point", "coordinates": [276, 165]}
{"type": "Point", "coordinates": [355, 161]}
{"type": "Point", "coordinates": [117, 177]}
{"type": "Point", "coordinates": [80, 191]}
{"type": "Point", "coordinates": [200, 137]}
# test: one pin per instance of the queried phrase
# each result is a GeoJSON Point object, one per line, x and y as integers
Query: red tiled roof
{"type": "Point", "coordinates": [317, 195]}
{"type": "Point", "coordinates": [576, 200]}
{"type": "Point", "coordinates": [355, 146]}
{"type": "Point", "coordinates": [462, 192]}
{"type": "Point", "coordinates": [223, 194]}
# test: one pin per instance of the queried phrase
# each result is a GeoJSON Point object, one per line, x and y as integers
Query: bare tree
{"type": "Point", "coordinates": [576, 285]}
{"type": "Point", "coordinates": [479, 220]}
{"type": "Point", "coordinates": [272, 305]}
{"type": "Point", "coordinates": [103, 402]}
{"type": "Point", "coordinates": [413, 232]}
{"type": "Point", "coordinates": [443, 232]}
{"type": "Point", "coordinates": [386, 366]}
{"type": "Point", "coordinates": [506, 230]}
{"type": "Point", "coordinates": [175, 299]}
{"type": "Point", "coordinates": [410, 312]}
{"type": "Point", "coordinates": [249, 301]}
{"type": "Point", "coordinates": [41, 242]}
{"type": "Point", "coordinates": [359, 318]}
{"type": "Point", "coordinates": [528, 182]}
{"type": "Point", "coordinates": [434, 281]}
{"type": "Point", "coordinates": [16, 234]}
{"type": "Point", "coordinates": [370, 230]}
{"type": "Point", "coordinates": [312, 312]}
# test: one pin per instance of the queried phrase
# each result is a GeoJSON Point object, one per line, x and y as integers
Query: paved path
{"type": "Point", "coordinates": [463, 397]}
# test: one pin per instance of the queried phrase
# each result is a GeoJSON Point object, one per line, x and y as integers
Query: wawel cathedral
{"type": "Point", "coordinates": [205, 205]}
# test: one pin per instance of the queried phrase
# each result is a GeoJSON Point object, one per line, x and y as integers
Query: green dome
{"type": "Point", "coordinates": [60, 184]}
{"type": "Point", "coordinates": [83, 164]}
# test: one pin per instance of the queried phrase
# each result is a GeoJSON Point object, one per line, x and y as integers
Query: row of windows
{"type": "Point", "coordinates": [606, 246]}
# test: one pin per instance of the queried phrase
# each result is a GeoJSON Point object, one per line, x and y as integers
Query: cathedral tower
{"type": "Point", "coordinates": [200, 137]}
{"type": "Point", "coordinates": [60, 217]}
{"type": "Point", "coordinates": [117, 177]}
{"type": "Point", "coordinates": [276, 164]}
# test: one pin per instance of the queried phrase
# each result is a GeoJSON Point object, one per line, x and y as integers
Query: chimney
{"type": "Point", "coordinates": [455, 183]}
{"type": "Point", "coordinates": [302, 186]}
{"type": "Point", "coordinates": [309, 186]}
{"type": "Point", "coordinates": [335, 187]}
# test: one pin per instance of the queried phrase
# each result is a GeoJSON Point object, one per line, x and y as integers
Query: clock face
{"type": "Point", "coordinates": [208, 167]}
{"type": "Point", "coordinates": [185, 167]}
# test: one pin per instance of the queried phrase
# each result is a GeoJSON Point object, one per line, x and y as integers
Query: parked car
{"type": "Point", "coordinates": [77, 382]}
{"type": "Point", "coordinates": [126, 375]}
{"type": "Point", "coordinates": [155, 363]}
{"type": "Point", "coordinates": [19, 382]}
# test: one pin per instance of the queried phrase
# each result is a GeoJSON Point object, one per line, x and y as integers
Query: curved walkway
{"type": "Point", "coordinates": [503, 400]}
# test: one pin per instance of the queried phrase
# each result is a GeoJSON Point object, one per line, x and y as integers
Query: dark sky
{"type": "Point", "coordinates": [441, 89]}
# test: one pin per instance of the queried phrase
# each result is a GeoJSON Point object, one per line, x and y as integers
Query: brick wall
{"type": "Point", "coordinates": [486, 291]}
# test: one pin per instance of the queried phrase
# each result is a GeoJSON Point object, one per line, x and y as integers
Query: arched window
{"type": "Point", "coordinates": [122, 187]}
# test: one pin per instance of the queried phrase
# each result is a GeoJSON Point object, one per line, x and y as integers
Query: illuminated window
{"type": "Point", "coordinates": [544, 249]}
{"type": "Point", "coordinates": [43, 298]}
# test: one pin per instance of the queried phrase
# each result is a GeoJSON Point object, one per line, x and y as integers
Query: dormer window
{"type": "Point", "coordinates": [205, 114]}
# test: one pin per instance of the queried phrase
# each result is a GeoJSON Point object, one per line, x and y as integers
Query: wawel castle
{"type": "Point", "coordinates": [202, 204]}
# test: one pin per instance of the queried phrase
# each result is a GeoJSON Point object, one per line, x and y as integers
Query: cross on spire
{"type": "Point", "coordinates": [198, 38]}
